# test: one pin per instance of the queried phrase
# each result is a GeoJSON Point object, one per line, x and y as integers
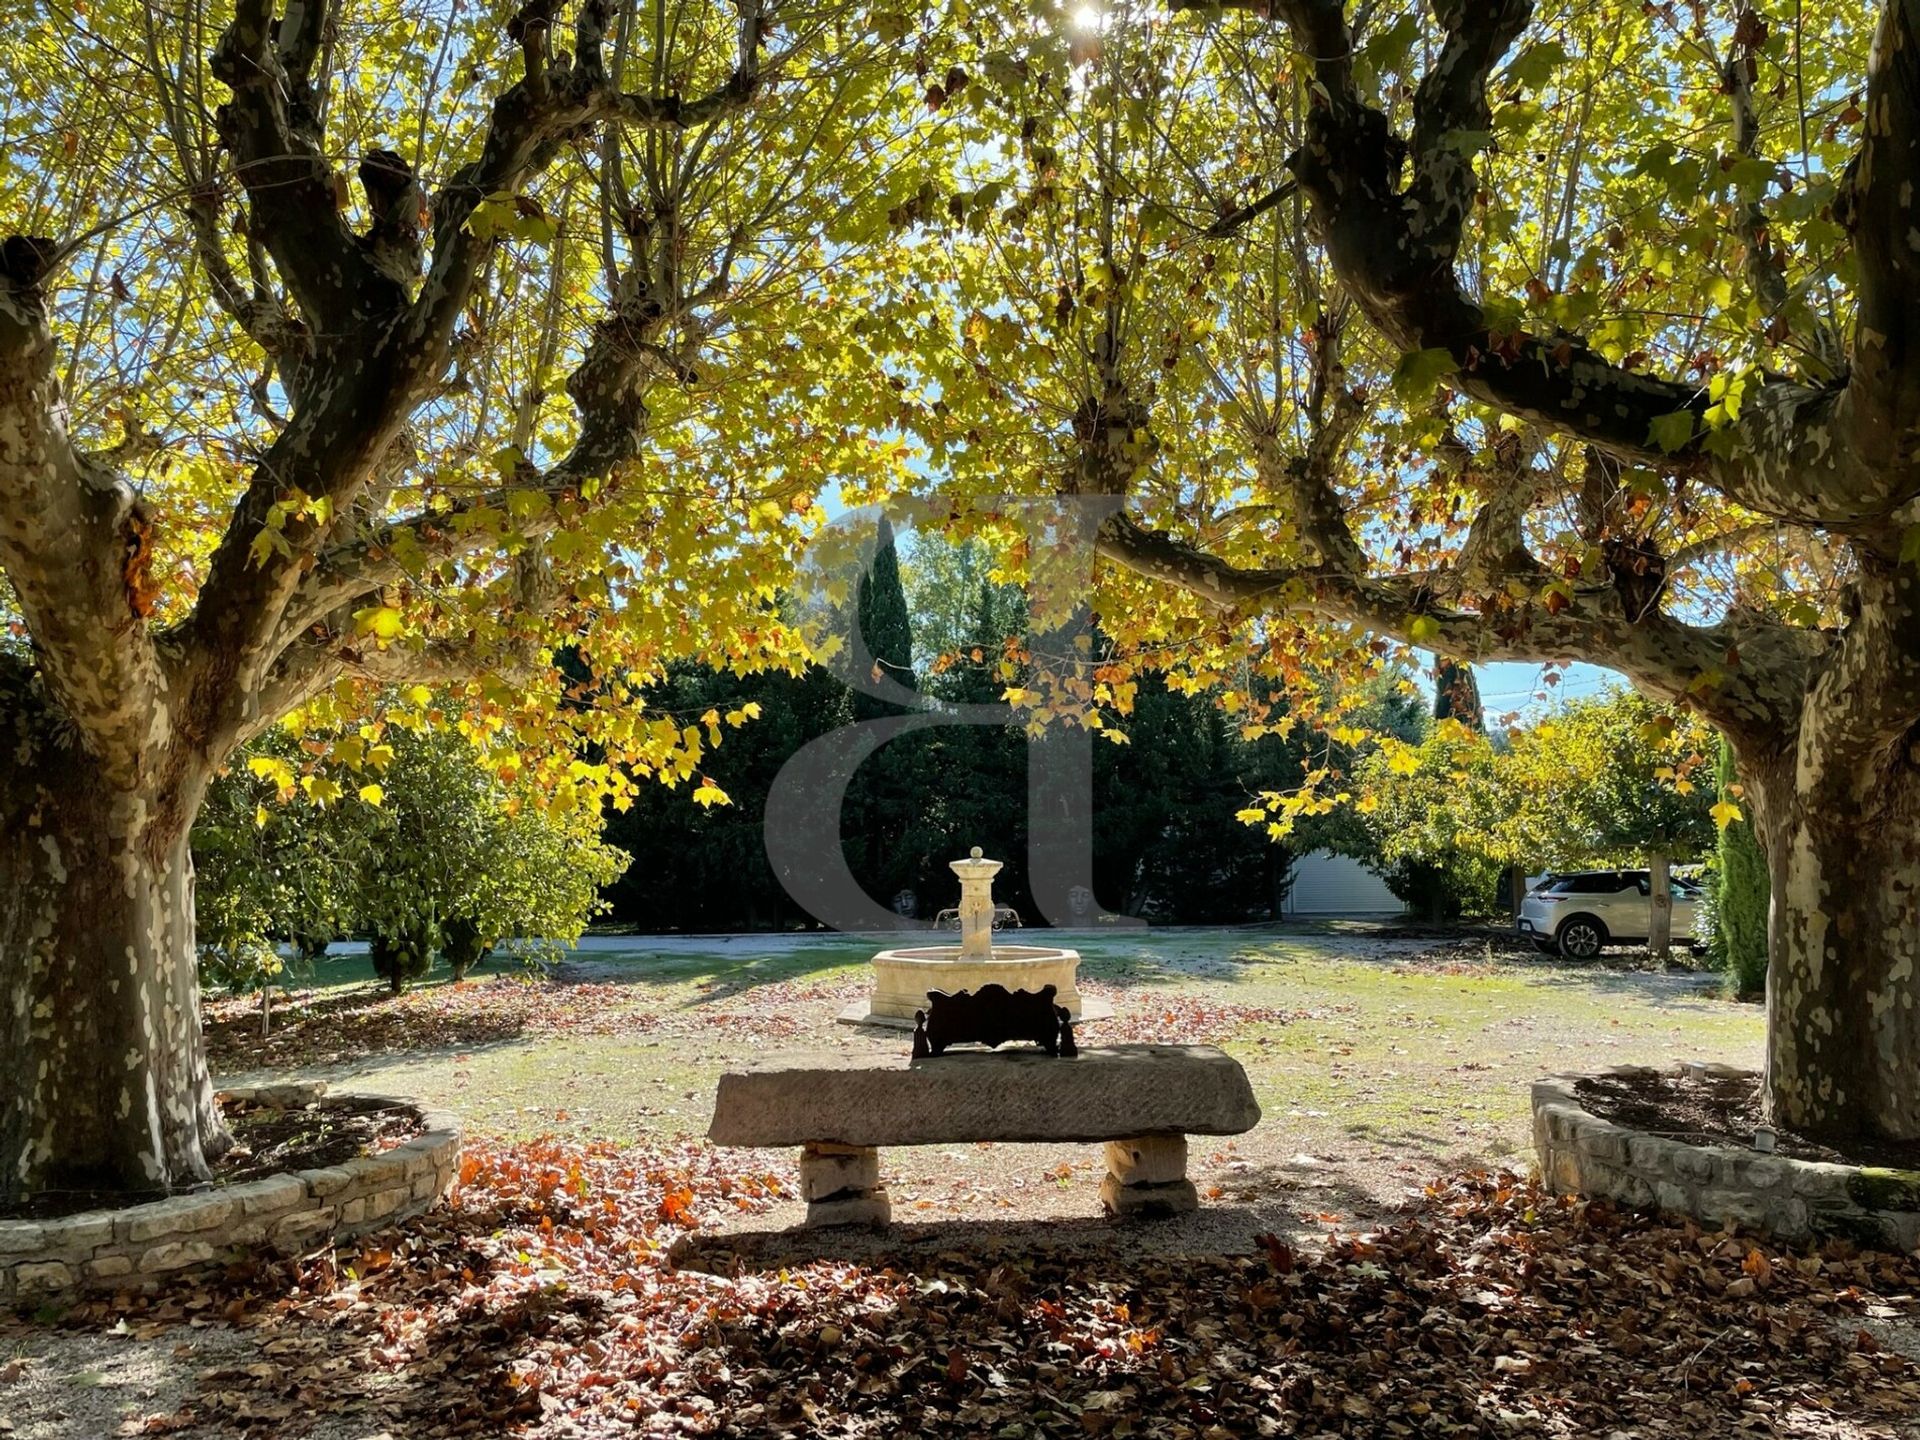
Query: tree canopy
{"type": "Point", "coordinates": [375, 343]}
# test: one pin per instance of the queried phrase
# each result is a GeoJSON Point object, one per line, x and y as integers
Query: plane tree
{"type": "Point", "coordinates": [362, 347]}
{"type": "Point", "coordinates": [1509, 331]}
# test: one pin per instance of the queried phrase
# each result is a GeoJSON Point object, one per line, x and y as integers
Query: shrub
{"type": "Point", "coordinates": [464, 945]}
{"type": "Point", "coordinates": [403, 956]}
{"type": "Point", "coordinates": [1742, 894]}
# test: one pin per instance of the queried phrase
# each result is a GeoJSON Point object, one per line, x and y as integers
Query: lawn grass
{"type": "Point", "coordinates": [1378, 1062]}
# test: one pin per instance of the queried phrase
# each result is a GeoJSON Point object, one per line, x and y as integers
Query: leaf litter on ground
{"type": "Point", "coordinates": [549, 1298]}
{"type": "Point", "coordinates": [335, 1027]}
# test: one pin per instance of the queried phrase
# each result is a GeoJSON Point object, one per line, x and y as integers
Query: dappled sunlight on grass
{"type": "Point", "coordinates": [1374, 1059]}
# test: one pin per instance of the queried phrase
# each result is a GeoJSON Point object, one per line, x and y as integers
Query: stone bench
{"type": "Point", "coordinates": [1143, 1100]}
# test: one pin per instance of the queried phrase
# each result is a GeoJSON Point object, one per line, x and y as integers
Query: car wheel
{"type": "Point", "coordinates": [1580, 937]}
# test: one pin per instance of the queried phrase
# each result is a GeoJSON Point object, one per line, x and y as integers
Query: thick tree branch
{"type": "Point", "coordinates": [1697, 551]}
{"type": "Point", "coordinates": [554, 101]}
{"type": "Point", "coordinates": [608, 391]}
{"type": "Point", "coordinates": [1495, 548]}
{"type": "Point", "coordinates": [258, 311]}
{"type": "Point", "coordinates": [272, 127]}
{"type": "Point", "coordinates": [310, 667]}
{"type": "Point", "coordinates": [1395, 250]}
{"type": "Point", "coordinates": [1710, 667]}
{"type": "Point", "coordinates": [1334, 411]}
{"type": "Point", "coordinates": [1237, 220]}
{"type": "Point", "coordinates": [73, 541]}
{"type": "Point", "coordinates": [399, 350]}
{"type": "Point", "coordinates": [1814, 455]}
{"type": "Point", "coordinates": [1451, 104]}
{"type": "Point", "coordinates": [1878, 206]}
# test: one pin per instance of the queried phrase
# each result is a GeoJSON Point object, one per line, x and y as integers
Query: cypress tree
{"type": "Point", "coordinates": [886, 794]}
{"type": "Point", "coordinates": [881, 610]}
{"type": "Point", "coordinates": [1742, 892]}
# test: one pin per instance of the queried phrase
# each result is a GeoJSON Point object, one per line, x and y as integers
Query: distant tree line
{"type": "Point", "coordinates": [1165, 842]}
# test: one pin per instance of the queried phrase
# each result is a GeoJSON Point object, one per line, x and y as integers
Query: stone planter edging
{"type": "Point", "coordinates": [282, 1214]}
{"type": "Point", "coordinates": [1791, 1200]}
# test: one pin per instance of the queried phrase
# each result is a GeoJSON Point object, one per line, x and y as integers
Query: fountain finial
{"type": "Point", "coordinates": [976, 904]}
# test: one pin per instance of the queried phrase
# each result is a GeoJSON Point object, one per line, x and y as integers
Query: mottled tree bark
{"type": "Point", "coordinates": [110, 726]}
{"type": "Point", "coordinates": [1825, 720]}
{"type": "Point", "coordinates": [1660, 905]}
{"type": "Point", "coordinates": [1843, 972]}
{"type": "Point", "coordinates": [103, 1075]}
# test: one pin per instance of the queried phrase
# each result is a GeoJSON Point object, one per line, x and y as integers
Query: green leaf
{"type": "Point", "coordinates": [1467, 142]}
{"type": "Point", "coordinates": [1389, 49]}
{"type": "Point", "coordinates": [1672, 432]}
{"type": "Point", "coordinates": [1535, 65]}
{"type": "Point", "coordinates": [1420, 370]}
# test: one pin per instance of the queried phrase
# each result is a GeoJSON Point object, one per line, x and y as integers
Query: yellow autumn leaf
{"type": "Point", "coordinates": [320, 789]}
{"type": "Point", "coordinates": [383, 622]}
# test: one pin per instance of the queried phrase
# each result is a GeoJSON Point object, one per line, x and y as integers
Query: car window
{"type": "Point", "coordinates": [1644, 885]}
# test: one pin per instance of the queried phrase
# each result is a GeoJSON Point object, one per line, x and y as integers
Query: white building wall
{"type": "Point", "coordinates": [1329, 884]}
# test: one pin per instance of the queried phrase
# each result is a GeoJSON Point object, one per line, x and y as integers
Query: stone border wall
{"type": "Point", "coordinates": [1791, 1200]}
{"type": "Point", "coordinates": [282, 1214]}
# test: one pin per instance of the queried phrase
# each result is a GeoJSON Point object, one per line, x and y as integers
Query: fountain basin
{"type": "Point", "coordinates": [902, 978]}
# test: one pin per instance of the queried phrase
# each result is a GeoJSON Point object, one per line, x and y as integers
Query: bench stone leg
{"type": "Point", "coordinates": [1148, 1177]}
{"type": "Point", "coordinates": [841, 1185]}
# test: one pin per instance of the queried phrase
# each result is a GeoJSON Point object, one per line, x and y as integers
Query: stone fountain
{"type": "Point", "coordinates": [902, 978]}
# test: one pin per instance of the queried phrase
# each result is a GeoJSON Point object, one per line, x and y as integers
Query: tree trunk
{"type": "Point", "coordinates": [1660, 906]}
{"type": "Point", "coordinates": [103, 1073]}
{"type": "Point", "coordinates": [1843, 978]}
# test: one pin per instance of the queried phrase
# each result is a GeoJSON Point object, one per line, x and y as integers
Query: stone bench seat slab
{"type": "Point", "coordinates": [1110, 1092]}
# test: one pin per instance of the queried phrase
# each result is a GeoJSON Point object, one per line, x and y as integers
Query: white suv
{"type": "Point", "coordinates": [1579, 913]}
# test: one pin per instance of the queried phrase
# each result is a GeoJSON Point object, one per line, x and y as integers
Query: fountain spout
{"type": "Point", "coordinates": [976, 904]}
{"type": "Point", "coordinates": [903, 979]}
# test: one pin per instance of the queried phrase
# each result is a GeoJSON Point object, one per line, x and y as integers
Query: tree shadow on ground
{"type": "Point", "coordinates": [717, 977]}
{"type": "Point", "coordinates": [1490, 1306]}
{"type": "Point", "coordinates": [336, 1028]}
{"type": "Point", "coordinates": [1250, 1201]}
{"type": "Point", "coordinates": [1435, 1154]}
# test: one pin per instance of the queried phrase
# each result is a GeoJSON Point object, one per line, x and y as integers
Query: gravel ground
{"type": "Point", "coordinates": [55, 1385]}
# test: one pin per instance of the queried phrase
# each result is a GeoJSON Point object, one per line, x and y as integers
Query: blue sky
{"type": "Point", "coordinates": [1514, 685]}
